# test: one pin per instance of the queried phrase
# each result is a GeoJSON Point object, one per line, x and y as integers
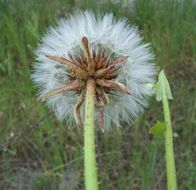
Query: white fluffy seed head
{"type": "Point", "coordinates": [107, 34]}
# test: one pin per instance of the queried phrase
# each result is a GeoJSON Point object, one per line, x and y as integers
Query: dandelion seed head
{"type": "Point", "coordinates": [106, 36]}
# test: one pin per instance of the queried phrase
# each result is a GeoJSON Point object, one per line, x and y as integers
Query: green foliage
{"type": "Point", "coordinates": [51, 155]}
{"type": "Point", "coordinates": [158, 129]}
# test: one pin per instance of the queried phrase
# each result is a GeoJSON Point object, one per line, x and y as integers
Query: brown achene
{"type": "Point", "coordinates": [89, 66]}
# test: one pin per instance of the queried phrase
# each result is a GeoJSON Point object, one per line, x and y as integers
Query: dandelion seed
{"type": "Point", "coordinates": [99, 48]}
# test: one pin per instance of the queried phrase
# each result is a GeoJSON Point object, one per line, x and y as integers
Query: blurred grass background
{"type": "Point", "coordinates": [48, 155]}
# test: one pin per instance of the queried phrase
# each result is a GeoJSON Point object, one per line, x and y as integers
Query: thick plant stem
{"type": "Point", "coordinates": [170, 161]}
{"type": "Point", "coordinates": [90, 170]}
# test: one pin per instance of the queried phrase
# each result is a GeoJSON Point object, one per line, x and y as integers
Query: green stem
{"type": "Point", "coordinates": [90, 170]}
{"type": "Point", "coordinates": [170, 162]}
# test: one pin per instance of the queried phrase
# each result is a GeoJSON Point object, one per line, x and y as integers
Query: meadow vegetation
{"type": "Point", "coordinates": [39, 152]}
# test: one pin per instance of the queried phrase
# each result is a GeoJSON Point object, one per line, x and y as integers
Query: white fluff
{"type": "Point", "coordinates": [113, 35]}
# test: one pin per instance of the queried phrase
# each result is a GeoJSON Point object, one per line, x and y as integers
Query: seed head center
{"type": "Point", "coordinates": [90, 66]}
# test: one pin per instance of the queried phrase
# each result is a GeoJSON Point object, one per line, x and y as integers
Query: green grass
{"type": "Point", "coordinates": [50, 156]}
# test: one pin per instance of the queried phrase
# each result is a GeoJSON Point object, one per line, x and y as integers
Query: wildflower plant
{"type": "Point", "coordinates": [94, 69]}
{"type": "Point", "coordinates": [163, 93]}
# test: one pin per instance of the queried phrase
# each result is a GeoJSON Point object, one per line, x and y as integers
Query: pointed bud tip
{"type": "Point", "coordinates": [50, 57]}
{"type": "Point", "coordinates": [39, 99]}
{"type": "Point", "coordinates": [126, 57]}
{"type": "Point", "coordinates": [85, 40]}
